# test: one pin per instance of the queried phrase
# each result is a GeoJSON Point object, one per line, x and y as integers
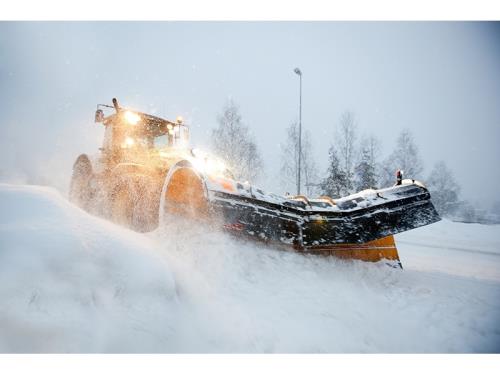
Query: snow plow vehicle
{"type": "Point", "coordinates": [146, 171]}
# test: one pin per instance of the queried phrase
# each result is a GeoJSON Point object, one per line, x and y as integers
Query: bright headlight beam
{"type": "Point", "coordinates": [207, 164]}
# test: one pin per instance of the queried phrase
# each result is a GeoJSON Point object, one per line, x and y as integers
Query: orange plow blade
{"type": "Point", "coordinates": [373, 251]}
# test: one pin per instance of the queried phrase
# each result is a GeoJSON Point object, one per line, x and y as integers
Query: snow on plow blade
{"type": "Point", "coordinates": [359, 226]}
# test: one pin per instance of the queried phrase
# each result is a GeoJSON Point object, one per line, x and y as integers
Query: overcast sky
{"type": "Point", "coordinates": [440, 80]}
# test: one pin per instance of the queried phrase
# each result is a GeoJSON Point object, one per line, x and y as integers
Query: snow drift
{"type": "Point", "coordinates": [70, 282]}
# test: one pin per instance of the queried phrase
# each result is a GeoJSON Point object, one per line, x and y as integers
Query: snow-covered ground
{"type": "Point", "coordinates": [70, 282]}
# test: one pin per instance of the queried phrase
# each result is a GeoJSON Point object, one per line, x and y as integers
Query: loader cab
{"type": "Point", "coordinates": [132, 131]}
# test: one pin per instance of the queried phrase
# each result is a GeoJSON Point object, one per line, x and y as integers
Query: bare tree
{"type": "Point", "coordinates": [495, 212]}
{"type": "Point", "coordinates": [467, 212]}
{"type": "Point", "coordinates": [345, 144]}
{"type": "Point", "coordinates": [405, 157]}
{"type": "Point", "coordinates": [444, 189]}
{"type": "Point", "coordinates": [232, 141]}
{"type": "Point", "coordinates": [290, 162]}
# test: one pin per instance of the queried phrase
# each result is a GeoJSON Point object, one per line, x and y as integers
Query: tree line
{"type": "Point", "coordinates": [354, 163]}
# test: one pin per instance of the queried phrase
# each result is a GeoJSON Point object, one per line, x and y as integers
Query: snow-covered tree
{"type": "Point", "coordinates": [345, 143]}
{"type": "Point", "coordinates": [444, 189]}
{"type": "Point", "coordinates": [334, 185]}
{"type": "Point", "coordinates": [290, 162]}
{"type": "Point", "coordinates": [404, 157]}
{"type": "Point", "coordinates": [364, 174]}
{"type": "Point", "coordinates": [232, 141]}
{"type": "Point", "coordinates": [366, 170]}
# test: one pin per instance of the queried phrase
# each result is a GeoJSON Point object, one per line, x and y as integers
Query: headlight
{"type": "Point", "coordinates": [132, 118]}
{"type": "Point", "coordinates": [129, 142]}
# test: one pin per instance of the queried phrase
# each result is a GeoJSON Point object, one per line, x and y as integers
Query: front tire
{"type": "Point", "coordinates": [134, 203]}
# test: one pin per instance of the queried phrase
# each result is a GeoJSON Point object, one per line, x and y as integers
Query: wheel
{"type": "Point", "coordinates": [134, 203]}
{"type": "Point", "coordinates": [80, 192]}
{"type": "Point", "coordinates": [122, 205]}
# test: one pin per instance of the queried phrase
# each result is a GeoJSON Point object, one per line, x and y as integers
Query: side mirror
{"type": "Point", "coordinates": [99, 115]}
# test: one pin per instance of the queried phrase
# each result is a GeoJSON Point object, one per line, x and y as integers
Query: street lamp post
{"type": "Point", "coordinates": [299, 73]}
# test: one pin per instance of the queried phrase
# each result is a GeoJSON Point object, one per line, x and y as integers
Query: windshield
{"type": "Point", "coordinates": [161, 141]}
{"type": "Point", "coordinates": [129, 137]}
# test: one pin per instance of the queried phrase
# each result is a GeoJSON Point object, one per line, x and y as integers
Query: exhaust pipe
{"type": "Point", "coordinates": [115, 104]}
